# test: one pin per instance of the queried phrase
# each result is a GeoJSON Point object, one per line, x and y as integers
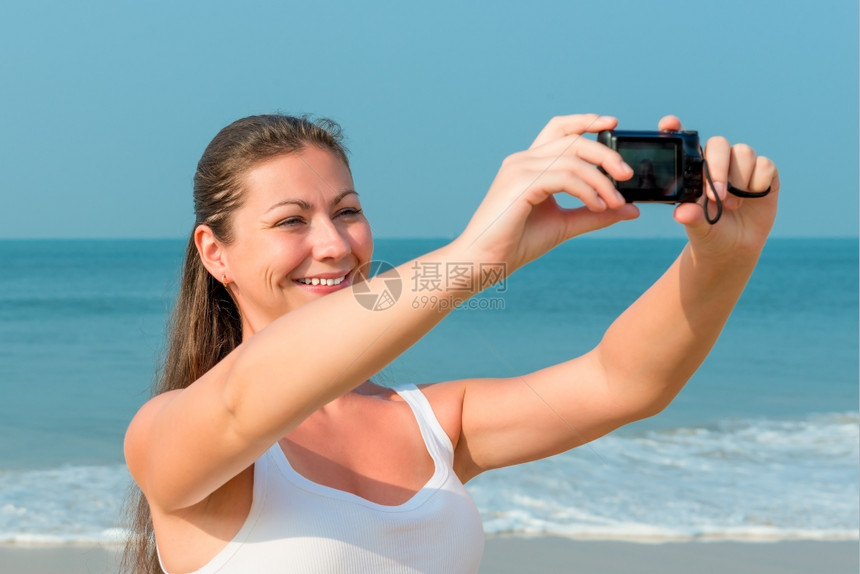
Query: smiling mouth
{"type": "Point", "coordinates": [321, 281]}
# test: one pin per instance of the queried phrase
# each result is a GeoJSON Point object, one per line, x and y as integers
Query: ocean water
{"type": "Point", "coordinates": [762, 444]}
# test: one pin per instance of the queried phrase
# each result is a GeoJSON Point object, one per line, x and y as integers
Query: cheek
{"type": "Point", "coordinates": [273, 257]}
{"type": "Point", "coordinates": [362, 241]}
{"type": "Point", "coordinates": [288, 254]}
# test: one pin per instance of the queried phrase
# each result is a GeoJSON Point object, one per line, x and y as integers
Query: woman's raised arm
{"type": "Point", "coordinates": [185, 444]}
{"type": "Point", "coordinates": [649, 352]}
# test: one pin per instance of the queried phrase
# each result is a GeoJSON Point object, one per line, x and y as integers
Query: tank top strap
{"type": "Point", "coordinates": [434, 435]}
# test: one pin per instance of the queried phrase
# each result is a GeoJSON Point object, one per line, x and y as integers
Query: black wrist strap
{"type": "Point", "coordinates": [731, 189]}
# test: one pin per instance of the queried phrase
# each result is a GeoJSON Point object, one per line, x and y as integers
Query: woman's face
{"type": "Point", "coordinates": [299, 235]}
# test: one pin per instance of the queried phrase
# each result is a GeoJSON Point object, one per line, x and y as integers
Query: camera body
{"type": "Point", "coordinates": [667, 165]}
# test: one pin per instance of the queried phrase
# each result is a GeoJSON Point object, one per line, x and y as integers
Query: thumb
{"type": "Point", "coordinates": [692, 216]}
{"type": "Point", "coordinates": [582, 220]}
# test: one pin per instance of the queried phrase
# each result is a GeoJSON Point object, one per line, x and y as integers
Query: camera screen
{"type": "Point", "coordinates": [654, 165]}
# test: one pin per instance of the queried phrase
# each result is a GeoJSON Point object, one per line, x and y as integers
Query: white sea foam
{"type": "Point", "coordinates": [72, 504]}
{"type": "Point", "coordinates": [748, 479]}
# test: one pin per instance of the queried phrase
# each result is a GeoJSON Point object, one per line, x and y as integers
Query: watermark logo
{"type": "Point", "coordinates": [434, 277]}
{"type": "Point", "coordinates": [434, 285]}
{"type": "Point", "coordinates": [384, 293]}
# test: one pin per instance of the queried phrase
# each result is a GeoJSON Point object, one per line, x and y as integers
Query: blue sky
{"type": "Point", "coordinates": [106, 106]}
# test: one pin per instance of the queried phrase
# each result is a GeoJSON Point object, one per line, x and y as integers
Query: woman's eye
{"type": "Point", "coordinates": [290, 221]}
{"type": "Point", "coordinates": [350, 211]}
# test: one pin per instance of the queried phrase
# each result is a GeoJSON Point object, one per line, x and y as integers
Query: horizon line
{"type": "Point", "coordinates": [402, 238]}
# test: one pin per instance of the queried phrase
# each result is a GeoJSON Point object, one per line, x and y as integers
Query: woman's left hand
{"type": "Point", "coordinates": [745, 223]}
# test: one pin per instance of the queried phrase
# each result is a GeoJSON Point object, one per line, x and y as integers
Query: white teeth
{"type": "Point", "coordinates": [319, 281]}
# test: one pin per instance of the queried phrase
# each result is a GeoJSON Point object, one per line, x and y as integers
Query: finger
{"type": "Point", "coordinates": [764, 176]}
{"type": "Point", "coordinates": [741, 166]}
{"type": "Point", "coordinates": [732, 202]}
{"type": "Point", "coordinates": [670, 123]}
{"type": "Point", "coordinates": [561, 126]}
{"type": "Point", "coordinates": [588, 150]}
{"type": "Point", "coordinates": [581, 220]}
{"type": "Point", "coordinates": [718, 156]}
{"type": "Point", "coordinates": [563, 168]}
{"type": "Point", "coordinates": [691, 215]}
{"type": "Point", "coordinates": [573, 182]}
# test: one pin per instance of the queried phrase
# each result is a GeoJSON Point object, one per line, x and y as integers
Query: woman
{"type": "Point", "coordinates": [268, 449]}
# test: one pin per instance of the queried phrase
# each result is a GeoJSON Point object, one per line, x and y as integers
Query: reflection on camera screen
{"type": "Point", "coordinates": [653, 164]}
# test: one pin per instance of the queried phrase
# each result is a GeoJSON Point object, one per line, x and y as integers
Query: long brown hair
{"type": "Point", "coordinates": [205, 324]}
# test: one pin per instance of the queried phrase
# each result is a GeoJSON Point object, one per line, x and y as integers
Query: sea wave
{"type": "Point", "coordinates": [70, 504]}
{"type": "Point", "coordinates": [742, 479]}
{"type": "Point", "coordinates": [753, 480]}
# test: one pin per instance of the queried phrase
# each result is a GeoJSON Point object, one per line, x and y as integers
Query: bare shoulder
{"type": "Point", "coordinates": [136, 445]}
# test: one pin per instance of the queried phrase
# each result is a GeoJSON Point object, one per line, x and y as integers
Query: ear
{"type": "Point", "coordinates": [211, 252]}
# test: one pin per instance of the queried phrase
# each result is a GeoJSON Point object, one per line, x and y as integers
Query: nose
{"type": "Point", "coordinates": [329, 241]}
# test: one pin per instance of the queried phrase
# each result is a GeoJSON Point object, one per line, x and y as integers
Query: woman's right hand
{"type": "Point", "coordinates": [519, 219]}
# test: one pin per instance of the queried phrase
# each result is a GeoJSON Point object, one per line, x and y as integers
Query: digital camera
{"type": "Point", "coordinates": [667, 165]}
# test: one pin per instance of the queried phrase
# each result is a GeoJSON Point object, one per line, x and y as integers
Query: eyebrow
{"type": "Point", "coordinates": [307, 206]}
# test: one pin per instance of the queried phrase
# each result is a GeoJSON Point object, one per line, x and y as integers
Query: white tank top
{"type": "Point", "coordinates": [298, 526]}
